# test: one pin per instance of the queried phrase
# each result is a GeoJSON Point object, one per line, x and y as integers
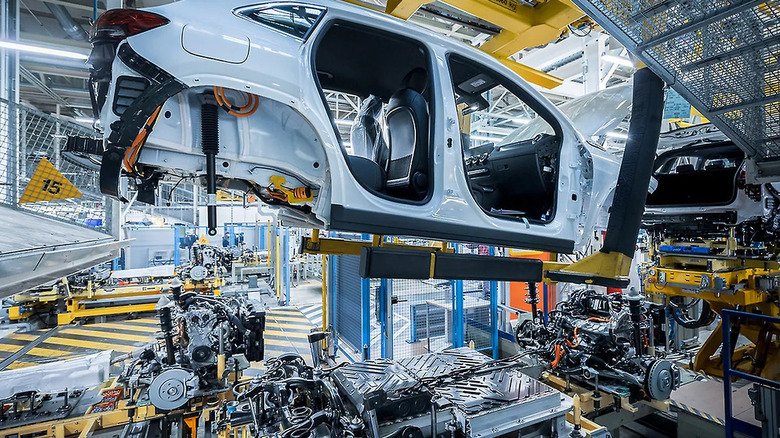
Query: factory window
{"type": "Point", "coordinates": [510, 150]}
{"type": "Point", "coordinates": [387, 138]}
{"type": "Point", "coordinates": [292, 19]}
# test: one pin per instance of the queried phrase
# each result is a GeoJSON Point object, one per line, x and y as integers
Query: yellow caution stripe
{"type": "Point", "coordinates": [698, 413]}
{"type": "Point", "coordinates": [108, 335]}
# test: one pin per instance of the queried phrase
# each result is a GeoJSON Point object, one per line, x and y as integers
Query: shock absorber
{"type": "Point", "coordinates": [209, 135]}
{"type": "Point", "coordinates": [532, 299]}
{"type": "Point", "coordinates": [635, 309]}
{"type": "Point", "coordinates": [166, 326]}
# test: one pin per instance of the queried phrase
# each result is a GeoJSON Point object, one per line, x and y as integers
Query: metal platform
{"type": "Point", "coordinates": [35, 250]}
{"type": "Point", "coordinates": [486, 403]}
{"type": "Point", "coordinates": [718, 54]}
{"type": "Point", "coordinates": [700, 407]}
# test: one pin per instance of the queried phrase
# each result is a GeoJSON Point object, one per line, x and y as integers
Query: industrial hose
{"type": "Point", "coordinates": [678, 311]}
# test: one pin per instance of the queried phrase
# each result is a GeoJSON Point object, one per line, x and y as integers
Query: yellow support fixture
{"type": "Point", "coordinates": [613, 265]}
{"type": "Point", "coordinates": [353, 247]}
{"type": "Point", "coordinates": [75, 311]}
{"type": "Point", "coordinates": [532, 75]}
{"type": "Point", "coordinates": [522, 27]}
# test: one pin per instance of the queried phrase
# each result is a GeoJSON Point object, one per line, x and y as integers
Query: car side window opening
{"type": "Point", "coordinates": [510, 151]}
{"type": "Point", "coordinates": [388, 144]}
{"type": "Point", "coordinates": [292, 19]}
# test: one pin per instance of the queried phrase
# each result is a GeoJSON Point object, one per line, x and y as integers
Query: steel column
{"type": "Point", "coordinates": [458, 320]}
{"type": "Point", "coordinates": [176, 249]}
{"type": "Point", "coordinates": [365, 306]}
{"type": "Point", "coordinates": [9, 90]}
{"type": "Point", "coordinates": [286, 264]}
{"type": "Point", "coordinates": [494, 312]}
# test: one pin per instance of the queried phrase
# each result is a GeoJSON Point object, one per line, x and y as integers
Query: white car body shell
{"type": "Point", "coordinates": [206, 44]}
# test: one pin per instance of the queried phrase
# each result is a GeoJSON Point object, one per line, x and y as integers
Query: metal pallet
{"type": "Point", "coordinates": [721, 55]}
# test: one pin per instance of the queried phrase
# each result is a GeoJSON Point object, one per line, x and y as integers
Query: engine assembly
{"type": "Point", "coordinates": [207, 261]}
{"type": "Point", "coordinates": [454, 393]}
{"type": "Point", "coordinates": [601, 340]}
{"type": "Point", "coordinates": [206, 340]}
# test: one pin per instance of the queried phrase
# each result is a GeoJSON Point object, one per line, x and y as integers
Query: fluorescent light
{"type": "Point", "coordinates": [24, 47]}
{"type": "Point", "coordinates": [483, 138]}
{"type": "Point", "coordinates": [619, 60]}
{"type": "Point", "coordinates": [618, 135]}
{"type": "Point", "coordinates": [494, 130]}
{"type": "Point", "coordinates": [344, 122]}
{"type": "Point", "coordinates": [84, 120]}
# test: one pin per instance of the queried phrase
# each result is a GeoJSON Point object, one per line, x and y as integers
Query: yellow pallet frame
{"type": "Point", "coordinates": [738, 287]}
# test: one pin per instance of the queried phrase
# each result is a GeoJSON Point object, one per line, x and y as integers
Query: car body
{"type": "Point", "coordinates": [246, 50]}
{"type": "Point", "coordinates": [700, 190]}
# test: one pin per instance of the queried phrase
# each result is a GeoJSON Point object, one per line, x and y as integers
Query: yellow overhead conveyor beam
{"type": "Point", "coordinates": [522, 27]}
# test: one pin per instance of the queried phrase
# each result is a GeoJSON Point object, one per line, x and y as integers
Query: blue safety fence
{"type": "Point", "coordinates": [735, 424]}
{"type": "Point", "coordinates": [348, 292]}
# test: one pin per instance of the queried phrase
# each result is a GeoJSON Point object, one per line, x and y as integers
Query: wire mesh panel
{"type": "Point", "coordinates": [719, 54]}
{"type": "Point", "coordinates": [32, 147]}
{"type": "Point", "coordinates": [422, 316]}
{"type": "Point", "coordinates": [476, 305]}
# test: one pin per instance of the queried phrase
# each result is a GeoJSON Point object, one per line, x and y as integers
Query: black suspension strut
{"type": "Point", "coordinates": [532, 299]}
{"type": "Point", "coordinates": [209, 134]}
{"type": "Point", "coordinates": [635, 309]}
{"type": "Point", "coordinates": [166, 326]}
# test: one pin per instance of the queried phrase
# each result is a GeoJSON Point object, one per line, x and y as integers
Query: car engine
{"type": "Point", "coordinates": [601, 340]}
{"type": "Point", "coordinates": [453, 393]}
{"type": "Point", "coordinates": [207, 261]}
{"type": "Point", "coordinates": [205, 339]}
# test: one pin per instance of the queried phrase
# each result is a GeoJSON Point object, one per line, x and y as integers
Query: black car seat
{"type": "Point", "coordinates": [366, 134]}
{"type": "Point", "coordinates": [370, 152]}
{"type": "Point", "coordinates": [407, 128]}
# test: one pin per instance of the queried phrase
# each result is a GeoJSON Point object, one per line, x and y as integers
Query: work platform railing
{"type": "Point", "coordinates": [735, 424]}
{"type": "Point", "coordinates": [721, 55]}
{"type": "Point", "coordinates": [28, 136]}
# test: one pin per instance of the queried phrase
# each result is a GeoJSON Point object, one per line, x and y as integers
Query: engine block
{"type": "Point", "coordinates": [602, 340]}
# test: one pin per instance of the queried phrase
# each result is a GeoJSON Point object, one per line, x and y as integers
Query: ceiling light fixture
{"type": "Point", "coordinates": [483, 138]}
{"type": "Point", "coordinates": [619, 60]}
{"type": "Point", "coordinates": [618, 135]}
{"type": "Point", "coordinates": [25, 47]}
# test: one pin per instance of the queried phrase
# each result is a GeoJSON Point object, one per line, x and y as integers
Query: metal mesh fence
{"type": "Point", "coordinates": [28, 137]}
{"type": "Point", "coordinates": [719, 54]}
{"type": "Point", "coordinates": [422, 317]}
{"type": "Point", "coordinates": [476, 305]}
{"type": "Point", "coordinates": [424, 313]}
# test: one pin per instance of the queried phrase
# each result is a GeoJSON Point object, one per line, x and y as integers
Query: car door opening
{"type": "Point", "coordinates": [389, 150]}
{"type": "Point", "coordinates": [511, 152]}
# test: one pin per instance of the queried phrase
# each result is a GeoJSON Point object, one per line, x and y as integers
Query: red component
{"type": "Point", "coordinates": [118, 24]}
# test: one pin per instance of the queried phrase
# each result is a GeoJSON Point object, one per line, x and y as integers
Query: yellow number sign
{"type": "Point", "coordinates": [48, 184]}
